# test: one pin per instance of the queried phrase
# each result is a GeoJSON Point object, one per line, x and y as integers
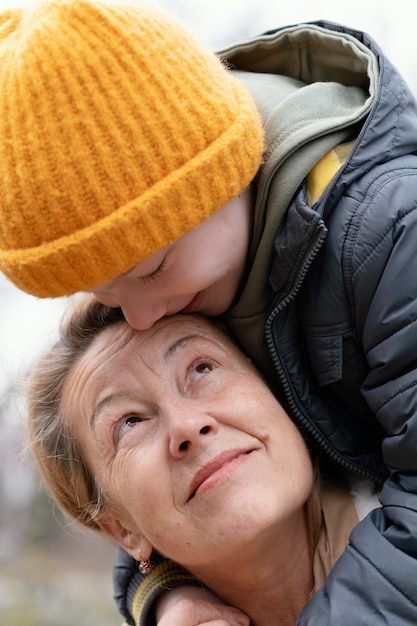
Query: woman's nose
{"type": "Point", "coordinates": [189, 428]}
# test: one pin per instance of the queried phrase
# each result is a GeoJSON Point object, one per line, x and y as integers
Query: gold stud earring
{"type": "Point", "coordinates": [145, 566]}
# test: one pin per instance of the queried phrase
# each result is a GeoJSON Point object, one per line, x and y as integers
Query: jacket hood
{"type": "Point", "coordinates": [390, 130]}
{"type": "Point", "coordinates": [322, 55]}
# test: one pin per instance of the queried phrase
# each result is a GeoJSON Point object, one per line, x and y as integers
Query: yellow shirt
{"type": "Point", "coordinates": [324, 171]}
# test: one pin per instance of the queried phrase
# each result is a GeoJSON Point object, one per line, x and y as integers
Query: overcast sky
{"type": "Point", "coordinates": [26, 322]}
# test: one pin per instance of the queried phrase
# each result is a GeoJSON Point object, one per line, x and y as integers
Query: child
{"type": "Point", "coordinates": [131, 166]}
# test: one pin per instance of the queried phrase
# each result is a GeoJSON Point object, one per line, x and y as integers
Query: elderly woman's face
{"type": "Point", "coordinates": [186, 440]}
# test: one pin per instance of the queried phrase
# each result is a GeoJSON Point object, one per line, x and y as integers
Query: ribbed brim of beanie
{"type": "Point", "coordinates": [118, 134]}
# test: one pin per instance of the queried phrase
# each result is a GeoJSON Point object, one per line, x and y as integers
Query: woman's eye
{"type": "Point", "coordinates": [126, 424]}
{"type": "Point", "coordinates": [202, 368]}
{"type": "Point", "coordinates": [131, 420]}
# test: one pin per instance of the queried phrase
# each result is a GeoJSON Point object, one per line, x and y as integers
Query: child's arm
{"type": "Point", "coordinates": [195, 606]}
{"type": "Point", "coordinates": [168, 596]}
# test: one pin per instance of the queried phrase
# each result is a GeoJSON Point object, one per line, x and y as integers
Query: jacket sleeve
{"type": "Point", "coordinates": [374, 582]}
{"type": "Point", "coordinates": [136, 593]}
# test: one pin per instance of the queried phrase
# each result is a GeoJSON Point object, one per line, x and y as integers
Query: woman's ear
{"type": "Point", "coordinates": [132, 542]}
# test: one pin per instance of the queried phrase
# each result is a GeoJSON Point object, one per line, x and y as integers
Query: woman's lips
{"type": "Point", "coordinates": [206, 476]}
{"type": "Point", "coordinates": [194, 304]}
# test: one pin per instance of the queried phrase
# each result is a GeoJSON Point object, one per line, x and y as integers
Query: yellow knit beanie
{"type": "Point", "coordinates": [118, 134]}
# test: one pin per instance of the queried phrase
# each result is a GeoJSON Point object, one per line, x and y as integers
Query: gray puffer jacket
{"type": "Point", "coordinates": [342, 332]}
{"type": "Point", "coordinates": [340, 281]}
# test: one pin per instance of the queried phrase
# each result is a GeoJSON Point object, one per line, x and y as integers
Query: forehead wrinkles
{"type": "Point", "coordinates": [117, 349]}
{"type": "Point", "coordinates": [110, 344]}
{"type": "Point", "coordinates": [152, 348]}
{"type": "Point", "coordinates": [96, 361]}
{"type": "Point", "coordinates": [168, 330]}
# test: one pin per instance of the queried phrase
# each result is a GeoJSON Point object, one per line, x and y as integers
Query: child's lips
{"type": "Point", "coordinates": [194, 304]}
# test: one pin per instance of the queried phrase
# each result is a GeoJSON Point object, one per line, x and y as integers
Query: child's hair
{"type": "Point", "coordinates": [118, 134]}
{"type": "Point", "coordinates": [54, 448]}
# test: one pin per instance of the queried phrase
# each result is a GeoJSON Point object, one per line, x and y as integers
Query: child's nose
{"type": "Point", "coordinates": [142, 316]}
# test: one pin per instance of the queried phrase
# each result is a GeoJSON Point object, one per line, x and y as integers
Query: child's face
{"type": "Point", "coordinates": [201, 271]}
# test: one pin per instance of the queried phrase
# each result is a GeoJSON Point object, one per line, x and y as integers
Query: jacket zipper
{"type": "Point", "coordinates": [297, 412]}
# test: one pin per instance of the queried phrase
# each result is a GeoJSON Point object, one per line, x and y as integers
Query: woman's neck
{"type": "Point", "coordinates": [272, 584]}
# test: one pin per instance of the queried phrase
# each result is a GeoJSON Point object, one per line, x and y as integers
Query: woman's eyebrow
{"type": "Point", "coordinates": [102, 403]}
{"type": "Point", "coordinates": [179, 344]}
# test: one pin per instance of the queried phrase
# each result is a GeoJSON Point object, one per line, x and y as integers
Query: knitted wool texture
{"type": "Point", "coordinates": [118, 134]}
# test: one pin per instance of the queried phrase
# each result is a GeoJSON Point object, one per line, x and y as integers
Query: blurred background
{"type": "Point", "coordinates": [51, 572]}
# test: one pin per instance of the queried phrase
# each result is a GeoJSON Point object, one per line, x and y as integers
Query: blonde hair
{"type": "Point", "coordinates": [53, 446]}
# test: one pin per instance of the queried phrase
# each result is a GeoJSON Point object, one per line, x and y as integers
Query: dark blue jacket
{"type": "Point", "coordinates": [342, 332]}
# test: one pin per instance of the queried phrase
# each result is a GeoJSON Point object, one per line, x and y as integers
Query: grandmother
{"type": "Point", "coordinates": [169, 441]}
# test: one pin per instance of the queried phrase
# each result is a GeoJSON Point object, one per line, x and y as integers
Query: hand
{"type": "Point", "coordinates": [201, 613]}
{"type": "Point", "coordinates": [195, 606]}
